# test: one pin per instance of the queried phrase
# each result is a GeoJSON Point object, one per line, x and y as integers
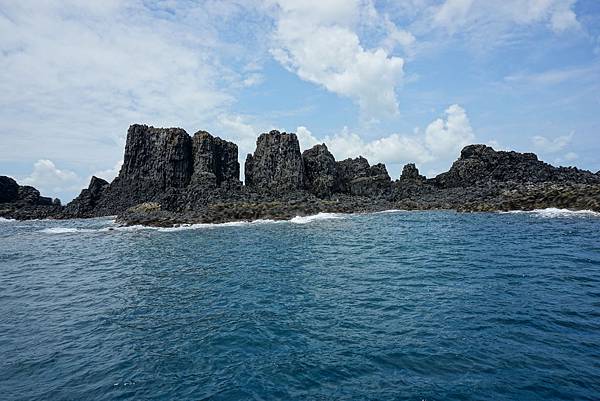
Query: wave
{"type": "Point", "coordinates": [556, 213]}
{"type": "Point", "coordinates": [3, 220]}
{"type": "Point", "coordinates": [316, 217]}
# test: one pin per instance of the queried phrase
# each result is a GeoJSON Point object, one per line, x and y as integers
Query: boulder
{"type": "Point", "coordinates": [276, 167]}
{"type": "Point", "coordinates": [320, 170]}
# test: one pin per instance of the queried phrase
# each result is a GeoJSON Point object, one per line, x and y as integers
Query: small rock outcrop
{"type": "Point", "coordinates": [482, 165]}
{"type": "Point", "coordinates": [320, 170]}
{"type": "Point", "coordinates": [276, 167]}
{"type": "Point", "coordinates": [410, 174]}
{"type": "Point", "coordinates": [357, 177]}
{"type": "Point", "coordinates": [25, 202]}
{"type": "Point", "coordinates": [85, 204]}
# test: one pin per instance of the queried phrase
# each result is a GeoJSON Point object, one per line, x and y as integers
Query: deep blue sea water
{"type": "Point", "coordinates": [389, 306]}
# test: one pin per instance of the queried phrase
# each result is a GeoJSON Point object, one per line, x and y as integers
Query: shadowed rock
{"type": "Point", "coordinates": [157, 158]}
{"type": "Point", "coordinates": [410, 173]}
{"type": "Point", "coordinates": [9, 189]}
{"type": "Point", "coordinates": [276, 166]}
{"type": "Point", "coordinates": [482, 165]}
{"type": "Point", "coordinates": [320, 170]}
{"type": "Point", "coordinates": [215, 161]}
{"type": "Point", "coordinates": [84, 205]}
{"type": "Point", "coordinates": [356, 177]}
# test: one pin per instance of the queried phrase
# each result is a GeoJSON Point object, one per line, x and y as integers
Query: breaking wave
{"type": "Point", "coordinates": [316, 217]}
{"type": "Point", "coordinates": [3, 220]}
{"type": "Point", "coordinates": [556, 213]}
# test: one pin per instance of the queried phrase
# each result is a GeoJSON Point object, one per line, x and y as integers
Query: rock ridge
{"type": "Point", "coordinates": [169, 177]}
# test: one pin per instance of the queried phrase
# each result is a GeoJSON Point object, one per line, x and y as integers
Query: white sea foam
{"type": "Point", "coordinates": [390, 211]}
{"type": "Point", "coordinates": [556, 213]}
{"type": "Point", "coordinates": [3, 220]}
{"type": "Point", "coordinates": [316, 217]}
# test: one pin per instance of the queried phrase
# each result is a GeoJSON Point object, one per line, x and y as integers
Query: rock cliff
{"type": "Point", "coordinates": [168, 178]}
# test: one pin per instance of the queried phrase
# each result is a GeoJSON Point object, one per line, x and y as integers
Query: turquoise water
{"type": "Point", "coordinates": [401, 305]}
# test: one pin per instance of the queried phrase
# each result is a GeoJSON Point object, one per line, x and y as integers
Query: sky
{"type": "Point", "coordinates": [394, 81]}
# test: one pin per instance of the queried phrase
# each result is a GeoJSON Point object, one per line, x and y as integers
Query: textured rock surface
{"type": "Point", "coordinates": [169, 178]}
{"type": "Point", "coordinates": [410, 173]}
{"type": "Point", "coordinates": [480, 164]}
{"type": "Point", "coordinates": [357, 177]}
{"type": "Point", "coordinates": [84, 205]}
{"type": "Point", "coordinates": [215, 160]}
{"type": "Point", "coordinates": [157, 158]}
{"type": "Point", "coordinates": [276, 166]}
{"type": "Point", "coordinates": [321, 171]}
{"type": "Point", "coordinates": [25, 202]}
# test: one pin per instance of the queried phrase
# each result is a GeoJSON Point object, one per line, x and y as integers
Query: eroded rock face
{"type": "Point", "coordinates": [357, 177]}
{"type": "Point", "coordinates": [85, 204]}
{"type": "Point", "coordinates": [215, 160]}
{"type": "Point", "coordinates": [157, 158]}
{"type": "Point", "coordinates": [276, 166]}
{"type": "Point", "coordinates": [480, 165]}
{"type": "Point", "coordinates": [25, 202]}
{"type": "Point", "coordinates": [320, 170]}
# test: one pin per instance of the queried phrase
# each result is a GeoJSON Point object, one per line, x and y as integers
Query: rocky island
{"type": "Point", "coordinates": [169, 177]}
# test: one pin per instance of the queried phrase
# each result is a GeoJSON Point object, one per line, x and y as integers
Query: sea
{"type": "Point", "coordinates": [399, 305]}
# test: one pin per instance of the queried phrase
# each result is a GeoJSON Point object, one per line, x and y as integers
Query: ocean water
{"type": "Point", "coordinates": [385, 306]}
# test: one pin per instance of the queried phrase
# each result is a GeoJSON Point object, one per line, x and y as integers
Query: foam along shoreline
{"type": "Point", "coordinates": [198, 226]}
{"type": "Point", "coordinates": [552, 212]}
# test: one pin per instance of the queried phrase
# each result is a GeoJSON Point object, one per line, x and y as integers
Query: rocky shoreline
{"type": "Point", "coordinates": [169, 177]}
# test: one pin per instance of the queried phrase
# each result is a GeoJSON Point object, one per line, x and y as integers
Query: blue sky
{"type": "Point", "coordinates": [394, 81]}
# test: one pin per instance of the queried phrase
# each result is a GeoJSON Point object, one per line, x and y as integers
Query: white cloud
{"type": "Point", "coordinates": [50, 180]}
{"type": "Point", "coordinates": [316, 41]}
{"type": "Point", "coordinates": [441, 143]}
{"type": "Point", "coordinates": [494, 16]}
{"type": "Point", "coordinates": [75, 74]}
{"type": "Point", "coordinates": [546, 145]}
{"type": "Point", "coordinates": [449, 136]}
{"type": "Point", "coordinates": [109, 174]}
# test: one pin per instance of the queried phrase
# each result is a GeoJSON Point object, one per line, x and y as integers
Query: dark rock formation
{"type": "Point", "coordinates": [356, 177]}
{"type": "Point", "coordinates": [169, 178]}
{"type": "Point", "coordinates": [481, 165]}
{"type": "Point", "coordinates": [84, 205]}
{"type": "Point", "coordinates": [157, 158]}
{"type": "Point", "coordinates": [215, 161]}
{"type": "Point", "coordinates": [25, 202]}
{"type": "Point", "coordinates": [276, 166]}
{"type": "Point", "coordinates": [321, 171]}
{"type": "Point", "coordinates": [9, 190]}
{"type": "Point", "coordinates": [410, 174]}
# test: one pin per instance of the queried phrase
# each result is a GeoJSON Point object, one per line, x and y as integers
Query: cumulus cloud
{"type": "Point", "coordinates": [440, 144]}
{"type": "Point", "coordinates": [111, 173]}
{"type": "Point", "coordinates": [316, 41]}
{"type": "Point", "coordinates": [552, 145]}
{"type": "Point", "coordinates": [52, 181]}
{"type": "Point", "coordinates": [448, 136]}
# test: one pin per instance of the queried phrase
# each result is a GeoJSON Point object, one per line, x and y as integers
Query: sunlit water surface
{"type": "Point", "coordinates": [399, 305]}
